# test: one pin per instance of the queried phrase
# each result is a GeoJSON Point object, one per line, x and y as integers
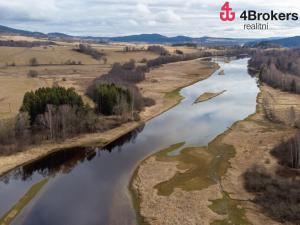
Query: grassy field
{"type": "Point", "coordinates": [52, 69]}
{"type": "Point", "coordinates": [44, 55]}
{"type": "Point", "coordinates": [60, 54]}
{"type": "Point", "coordinates": [12, 90]}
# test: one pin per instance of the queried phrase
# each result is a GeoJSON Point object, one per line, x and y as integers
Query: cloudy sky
{"type": "Point", "coordinates": [124, 17]}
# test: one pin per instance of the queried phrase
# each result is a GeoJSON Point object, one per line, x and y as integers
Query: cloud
{"type": "Point", "coordinates": [143, 9]}
{"type": "Point", "coordinates": [151, 23]}
{"type": "Point", "coordinates": [133, 22]}
{"type": "Point", "coordinates": [123, 17]}
{"type": "Point", "coordinates": [168, 16]}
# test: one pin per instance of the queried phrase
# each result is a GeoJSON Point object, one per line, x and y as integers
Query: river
{"type": "Point", "coordinates": [90, 186]}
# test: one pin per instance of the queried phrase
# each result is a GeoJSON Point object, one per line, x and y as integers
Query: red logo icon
{"type": "Point", "coordinates": [226, 13]}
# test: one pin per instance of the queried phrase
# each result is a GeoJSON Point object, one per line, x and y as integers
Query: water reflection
{"type": "Point", "coordinates": [63, 161]}
{"type": "Point", "coordinates": [130, 137]}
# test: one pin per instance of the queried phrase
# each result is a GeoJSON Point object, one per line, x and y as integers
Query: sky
{"type": "Point", "coordinates": [107, 18]}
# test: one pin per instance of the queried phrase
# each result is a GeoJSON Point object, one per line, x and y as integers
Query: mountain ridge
{"type": "Point", "coordinates": [155, 38]}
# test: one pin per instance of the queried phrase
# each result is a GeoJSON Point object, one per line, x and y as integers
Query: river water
{"type": "Point", "coordinates": [90, 186]}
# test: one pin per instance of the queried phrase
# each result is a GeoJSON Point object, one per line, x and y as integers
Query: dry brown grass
{"type": "Point", "coordinates": [253, 139]}
{"type": "Point", "coordinates": [14, 82]}
{"type": "Point", "coordinates": [207, 96]}
{"type": "Point", "coordinates": [12, 90]}
{"type": "Point", "coordinates": [164, 80]}
{"type": "Point", "coordinates": [64, 51]}
{"type": "Point", "coordinates": [20, 38]}
{"type": "Point", "coordinates": [79, 76]}
{"type": "Point", "coordinates": [50, 55]}
{"type": "Point", "coordinates": [184, 49]}
{"type": "Point", "coordinates": [169, 78]}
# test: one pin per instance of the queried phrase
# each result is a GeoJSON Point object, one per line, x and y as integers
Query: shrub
{"type": "Point", "coordinates": [158, 49]}
{"type": "Point", "coordinates": [88, 50]}
{"type": "Point", "coordinates": [144, 60]}
{"type": "Point", "coordinates": [111, 99]}
{"type": "Point", "coordinates": [178, 52]}
{"type": "Point", "coordinates": [278, 197]}
{"type": "Point", "coordinates": [33, 62]}
{"type": "Point", "coordinates": [288, 152]}
{"type": "Point", "coordinates": [32, 73]}
{"type": "Point", "coordinates": [149, 102]}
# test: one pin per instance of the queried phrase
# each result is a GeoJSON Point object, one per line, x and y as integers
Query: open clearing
{"type": "Point", "coordinates": [52, 69]}
{"type": "Point", "coordinates": [12, 91]}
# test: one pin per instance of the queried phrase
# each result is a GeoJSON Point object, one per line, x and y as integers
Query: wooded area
{"type": "Point", "coordinates": [89, 50]}
{"type": "Point", "coordinates": [50, 114]}
{"type": "Point", "coordinates": [278, 68]}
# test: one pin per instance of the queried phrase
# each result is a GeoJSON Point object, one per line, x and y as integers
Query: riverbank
{"type": "Point", "coordinates": [161, 84]}
{"type": "Point", "coordinates": [191, 201]}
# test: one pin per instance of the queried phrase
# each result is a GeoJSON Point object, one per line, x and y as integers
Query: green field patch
{"type": "Point", "coordinates": [200, 166]}
{"type": "Point", "coordinates": [173, 94]}
{"type": "Point", "coordinates": [231, 209]}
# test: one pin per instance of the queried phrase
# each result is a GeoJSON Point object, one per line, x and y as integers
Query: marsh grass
{"type": "Point", "coordinates": [173, 94]}
{"type": "Point", "coordinates": [199, 167]}
{"type": "Point", "coordinates": [23, 202]}
{"type": "Point", "coordinates": [231, 209]}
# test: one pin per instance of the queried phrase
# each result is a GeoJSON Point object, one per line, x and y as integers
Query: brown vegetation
{"type": "Point", "coordinates": [87, 49]}
{"type": "Point", "coordinates": [170, 77]}
{"type": "Point", "coordinates": [278, 196]}
{"type": "Point", "coordinates": [278, 68]}
{"type": "Point", "coordinates": [26, 44]}
{"type": "Point", "coordinates": [288, 152]}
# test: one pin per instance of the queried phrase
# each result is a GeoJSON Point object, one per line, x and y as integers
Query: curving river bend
{"type": "Point", "coordinates": [88, 186]}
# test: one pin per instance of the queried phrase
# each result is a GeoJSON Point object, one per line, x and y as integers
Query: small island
{"type": "Point", "coordinates": [207, 96]}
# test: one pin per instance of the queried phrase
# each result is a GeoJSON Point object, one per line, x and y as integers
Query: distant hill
{"type": "Point", "coordinates": [140, 38]}
{"type": "Point", "coordinates": [58, 35]}
{"type": "Point", "coordinates": [288, 42]}
{"type": "Point", "coordinates": [160, 39]}
{"type": "Point", "coordinates": [11, 31]}
{"type": "Point", "coordinates": [222, 41]}
{"type": "Point", "coordinates": [152, 38]}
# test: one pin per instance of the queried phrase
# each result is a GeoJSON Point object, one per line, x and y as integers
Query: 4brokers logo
{"type": "Point", "coordinates": [228, 15]}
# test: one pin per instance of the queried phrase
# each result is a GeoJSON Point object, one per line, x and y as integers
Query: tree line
{"type": "Point", "coordinates": [36, 102]}
{"type": "Point", "coordinates": [119, 85]}
{"type": "Point", "coordinates": [278, 68]}
{"type": "Point", "coordinates": [26, 44]}
{"type": "Point", "coordinates": [278, 193]}
{"type": "Point", "coordinates": [111, 99]}
{"type": "Point", "coordinates": [50, 114]}
{"type": "Point", "coordinates": [228, 52]}
{"type": "Point", "coordinates": [89, 50]}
